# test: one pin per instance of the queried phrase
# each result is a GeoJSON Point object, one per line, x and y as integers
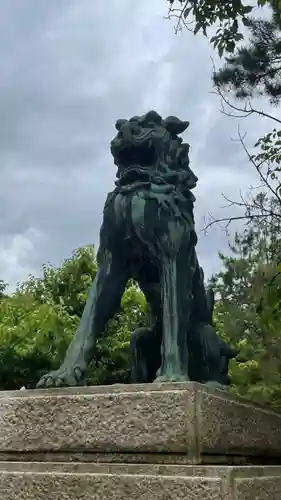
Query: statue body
{"type": "Point", "coordinates": [148, 234]}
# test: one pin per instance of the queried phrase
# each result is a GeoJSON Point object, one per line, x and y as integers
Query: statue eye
{"type": "Point", "coordinates": [119, 124]}
{"type": "Point", "coordinates": [134, 123]}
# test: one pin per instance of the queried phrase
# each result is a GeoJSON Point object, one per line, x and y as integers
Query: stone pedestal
{"type": "Point", "coordinates": [159, 441]}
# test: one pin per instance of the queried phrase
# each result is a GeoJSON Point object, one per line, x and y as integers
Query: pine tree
{"type": "Point", "coordinates": [255, 68]}
{"type": "Point", "coordinates": [248, 312]}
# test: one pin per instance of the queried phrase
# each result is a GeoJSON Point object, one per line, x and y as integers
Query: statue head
{"type": "Point", "coordinates": [149, 143]}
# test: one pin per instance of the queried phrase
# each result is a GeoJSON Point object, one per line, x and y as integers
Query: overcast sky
{"type": "Point", "coordinates": [68, 70]}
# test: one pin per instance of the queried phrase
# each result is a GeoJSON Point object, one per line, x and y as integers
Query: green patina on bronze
{"type": "Point", "coordinates": [148, 234]}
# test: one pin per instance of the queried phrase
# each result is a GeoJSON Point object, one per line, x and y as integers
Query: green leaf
{"type": "Point", "coordinates": [220, 50]}
{"type": "Point", "coordinates": [247, 9]}
{"type": "Point", "coordinates": [197, 28]}
{"type": "Point", "coordinates": [246, 22]}
{"type": "Point", "coordinates": [230, 46]}
{"type": "Point", "coordinates": [186, 12]}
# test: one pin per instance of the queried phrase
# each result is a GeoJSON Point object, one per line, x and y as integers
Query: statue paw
{"type": "Point", "coordinates": [66, 377]}
{"type": "Point", "coordinates": [173, 377]}
{"type": "Point", "coordinates": [214, 385]}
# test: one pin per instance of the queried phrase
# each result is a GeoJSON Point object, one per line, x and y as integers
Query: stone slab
{"type": "Point", "coordinates": [227, 425]}
{"type": "Point", "coordinates": [50, 481]}
{"type": "Point", "coordinates": [139, 458]}
{"type": "Point", "coordinates": [171, 418]}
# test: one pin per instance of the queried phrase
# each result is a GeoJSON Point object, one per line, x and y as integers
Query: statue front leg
{"type": "Point", "coordinates": [103, 302]}
{"type": "Point", "coordinates": [176, 286]}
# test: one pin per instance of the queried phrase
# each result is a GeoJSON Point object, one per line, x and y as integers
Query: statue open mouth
{"type": "Point", "coordinates": [143, 155]}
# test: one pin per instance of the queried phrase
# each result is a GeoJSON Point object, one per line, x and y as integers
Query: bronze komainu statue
{"type": "Point", "coordinates": [148, 234]}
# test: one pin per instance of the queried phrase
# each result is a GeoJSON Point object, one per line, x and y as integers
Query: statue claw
{"type": "Point", "coordinates": [59, 382]}
{"type": "Point", "coordinates": [61, 378]}
{"type": "Point", "coordinates": [43, 382]}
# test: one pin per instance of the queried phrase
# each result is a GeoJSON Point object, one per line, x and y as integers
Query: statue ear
{"type": "Point", "coordinates": [174, 125]}
{"type": "Point", "coordinates": [153, 117]}
{"type": "Point", "coordinates": [120, 123]}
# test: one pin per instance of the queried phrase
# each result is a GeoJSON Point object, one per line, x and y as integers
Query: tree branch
{"type": "Point", "coordinates": [257, 168]}
{"type": "Point", "coordinates": [178, 14]}
{"type": "Point", "coordinates": [230, 220]}
{"type": "Point", "coordinates": [246, 111]}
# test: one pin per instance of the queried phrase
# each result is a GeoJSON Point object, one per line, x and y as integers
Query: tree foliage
{"type": "Point", "coordinates": [33, 339]}
{"type": "Point", "coordinates": [3, 287]}
{"type": "Point", "coordinates": [255, 68]}
{"type": "Point", "coordinates": [228, 16]}
{"type": "Point", "coordinates": [248, 312]}
{"type": "Point", "coordinates": [66, 285]}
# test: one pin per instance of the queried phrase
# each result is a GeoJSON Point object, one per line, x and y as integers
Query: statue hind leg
{"type": "Point", "coordinates": [145, 349]}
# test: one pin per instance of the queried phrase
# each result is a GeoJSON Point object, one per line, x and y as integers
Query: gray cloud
{"type": "Point", "coordinates": [68, 70]}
